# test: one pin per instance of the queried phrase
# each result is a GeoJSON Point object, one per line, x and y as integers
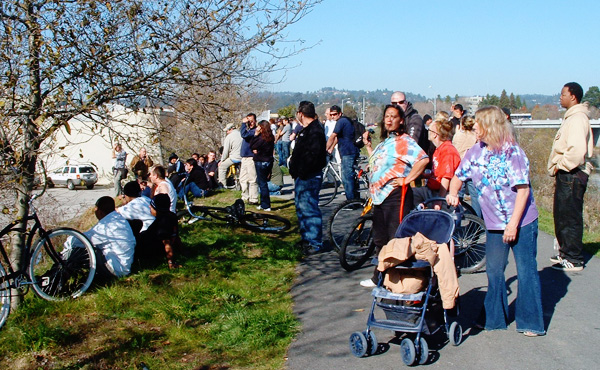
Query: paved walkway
{"type": "Point", "coordinates": [331, 305]}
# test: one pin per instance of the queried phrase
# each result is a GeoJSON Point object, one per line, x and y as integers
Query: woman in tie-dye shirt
{"type": "Point", "coordinates": [500, 171]}
{"type": "Point", "coordinates": [397, 160]}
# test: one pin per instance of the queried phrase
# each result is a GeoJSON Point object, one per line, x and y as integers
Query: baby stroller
{"type": "Point", "coordinates": [420, 313]}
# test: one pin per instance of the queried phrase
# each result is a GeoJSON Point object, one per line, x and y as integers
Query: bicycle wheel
{"type": "Point", "coordinates": [469, 244]}
{"type": "Point", "coordinates": [218, 213]}
{"type": "Point", "coordinates": [4, 297]}
{"type": "Point", "coordinates": [59, 272]}
{"type": "Point", "coordinates": [329, 188]}
{"type": "Point", "coordinates": [185, 217]}
{"type": "Point", "coordinates": [358, 246]}
{"type": "Point", "coordinates": [264, 222]}
{"type": "Point", "coordinates": [341, 220]}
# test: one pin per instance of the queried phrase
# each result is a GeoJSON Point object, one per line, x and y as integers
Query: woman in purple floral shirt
{"type": "Point", "coordinates": [500, 171]}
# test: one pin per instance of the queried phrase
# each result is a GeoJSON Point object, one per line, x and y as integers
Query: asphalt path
{"type": "Point", "coordinates": [331, 305]}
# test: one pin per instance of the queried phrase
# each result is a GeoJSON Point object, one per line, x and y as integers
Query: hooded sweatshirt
{"type": "Point", "coordinates": [573, 145]}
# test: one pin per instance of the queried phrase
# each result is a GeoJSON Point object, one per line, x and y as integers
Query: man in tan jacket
{"type": "Point", "coordinates": [569, 163]}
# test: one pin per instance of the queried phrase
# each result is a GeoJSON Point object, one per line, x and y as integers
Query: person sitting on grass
{"type": "Point", "coordinates": [196, 182]}
{"type": "Point", "coordinates": [112, 239]}
{"type": "Point", "coordinates": [163, 235]}
{"type": "Point", "coordinates": [137, 206]}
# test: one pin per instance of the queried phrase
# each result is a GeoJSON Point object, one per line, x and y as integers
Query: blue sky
{"type": "Point", "coordinates": [456, 47]}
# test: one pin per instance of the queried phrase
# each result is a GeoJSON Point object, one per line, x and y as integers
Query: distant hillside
{"type": "Point", "coordinates": [533, 99]}
{"type": "Point", "coordinates": [330, 96]}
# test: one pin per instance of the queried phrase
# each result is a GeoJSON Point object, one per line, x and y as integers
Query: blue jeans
{"type": "Point", "coordinates": [274, 189]}
{"type": "Point", "coordinates": [528, 313]}
{"type": "Point", "coordinates": [285, 152]}
{"type": "Point", "coordinates": [307, 210]}
{"type": "Point", "coordinates": [349, 176]}
{"type": "Point", "coordinates": [194, 189]}
{"type": "Point", "coordinates": [263, 170]}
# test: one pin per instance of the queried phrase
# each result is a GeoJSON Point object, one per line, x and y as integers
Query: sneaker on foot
{"type": "Point", "coordinates": [566, 265]}
{"type": "Point", "coordinates": [368, 283]}
{"type": "Point", "coordinates": [556, 259]}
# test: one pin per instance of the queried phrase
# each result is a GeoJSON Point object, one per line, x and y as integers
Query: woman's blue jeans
{"type": "Point", "coordinates": [263, 170]}
{"type": "Point", "coordinates": [528, 311]}
{"type": "Point", "coordinates": [307, 209]}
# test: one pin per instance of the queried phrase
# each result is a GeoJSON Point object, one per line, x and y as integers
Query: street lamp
{"type": "Point", "coordinates": [434, 102]}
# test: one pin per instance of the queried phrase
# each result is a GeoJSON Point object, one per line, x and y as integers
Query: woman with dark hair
{"type": "Point", "coordinates": [499, 169]}
{"type": "Point", "coordinates": [395, 163]}
{"type": "Point", "coordinates": [262, 145]}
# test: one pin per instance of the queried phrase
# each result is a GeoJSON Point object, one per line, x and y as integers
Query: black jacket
{"type": "Point", "coordinates": [309, 156]}
{"type": "Point", "coordinates": [198, 176]}
{"type": "Point", "coordinates": [264, 149]}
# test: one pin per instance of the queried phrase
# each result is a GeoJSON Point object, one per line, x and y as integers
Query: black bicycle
{"type": "Point", "coordinates": [234, 214]}
{"type": "Point", "coordinates": [59, 264]}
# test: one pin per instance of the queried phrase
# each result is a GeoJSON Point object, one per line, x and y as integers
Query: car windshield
{"type": "Point", "coordinates": [86, 170]}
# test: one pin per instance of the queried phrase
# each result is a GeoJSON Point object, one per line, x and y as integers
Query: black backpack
{"type": "Point", "coordinates": [359, 130]}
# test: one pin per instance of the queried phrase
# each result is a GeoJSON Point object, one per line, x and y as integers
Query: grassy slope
{"type": "Point", "coordinates": [228, 307]}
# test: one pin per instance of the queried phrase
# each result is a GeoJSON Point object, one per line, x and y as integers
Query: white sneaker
{"type": "Point", "coordinates": [368, 283]}
{"type": "Point", "coordinates": [263, 209]}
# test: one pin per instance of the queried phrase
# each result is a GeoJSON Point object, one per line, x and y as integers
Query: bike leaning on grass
{"type": "Point", "coordinates": [54, 270]}
{"type": "Point", "coordinates": [234, 214]}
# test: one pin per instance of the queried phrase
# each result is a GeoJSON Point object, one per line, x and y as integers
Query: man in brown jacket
{"type": "Point", "coordinates": [569, 163]}
{"type": "Point", "coordinates": [140, 165]}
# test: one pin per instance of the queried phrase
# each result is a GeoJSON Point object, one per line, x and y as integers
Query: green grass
{"type": "Point", "coordinates": [229, 306]}
{"type": "Point", "coordinates": [591, 239]}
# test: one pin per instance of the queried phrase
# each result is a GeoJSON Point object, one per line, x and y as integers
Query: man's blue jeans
{"type": "Point", "coordinates": [528, 311]}
{"type": "Point", "coordinates": [349, 176]}
{"type": "Point", "coordinates": [194, 189]}
{"type": "Point", "coordinates": [307, 210]}
{"type": "Point", "coordinates": [285, 153]}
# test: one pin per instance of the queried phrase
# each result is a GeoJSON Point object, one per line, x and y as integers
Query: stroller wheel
{"type": "Point", "coordinates": [408, 352]}
{"type": "Point", "coordinates": [423, 351]}
{"type": "Point", "coordinates": [358, 344]}
{"type": "Point", "coordinates": [372, 342]}
{"type": "Point", "coordinates": [455, 333]}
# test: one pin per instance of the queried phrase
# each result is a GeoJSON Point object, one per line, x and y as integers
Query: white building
{"type": "Point", "coordinates": [90, 141]}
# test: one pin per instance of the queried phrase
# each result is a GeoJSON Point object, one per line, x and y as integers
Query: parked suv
{"type": "Point", "coordinates": [83, 174]}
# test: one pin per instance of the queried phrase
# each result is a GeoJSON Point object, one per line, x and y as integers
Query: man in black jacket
{"type": "Point", "coordinates": [196, 182]}
{"type": "Point", "coordinates": [412, 120]}
{"type": "Point", "coordinates": [306, 166]}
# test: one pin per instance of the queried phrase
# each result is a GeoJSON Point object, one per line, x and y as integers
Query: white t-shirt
{"type": "Point", "coordinates": [113, 236]}
{"type": "Point", "coordinates": [138, 209]}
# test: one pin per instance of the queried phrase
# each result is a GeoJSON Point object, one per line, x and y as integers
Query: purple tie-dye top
{"type": "Point", "coordinates": [495, 175]}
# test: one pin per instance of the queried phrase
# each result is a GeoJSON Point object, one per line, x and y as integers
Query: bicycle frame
{"type": "Point", "coordinates": [12, 275]}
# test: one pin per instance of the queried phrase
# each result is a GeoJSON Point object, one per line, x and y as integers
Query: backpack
{"type": "Point", "coordinates": [359, 130]}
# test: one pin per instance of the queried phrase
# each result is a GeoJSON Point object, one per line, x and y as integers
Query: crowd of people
{"type": "Point", "coordinates": [417, 158]}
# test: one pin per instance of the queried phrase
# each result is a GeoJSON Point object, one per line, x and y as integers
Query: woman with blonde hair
{"type": "Point", "coordinates": [500, 170]}
{"type": "Point", "coordinates": [463, 140]}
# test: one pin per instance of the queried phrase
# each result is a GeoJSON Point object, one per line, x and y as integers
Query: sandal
{"type": "Point", "coordinates": [531, 334]}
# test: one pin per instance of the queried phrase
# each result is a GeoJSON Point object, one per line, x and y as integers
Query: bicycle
{"type": "Point", "coordinates": [332, 179]}
{"type": "Point", "coordinates": [235, 214]}
{"type": "Point", "coordinates": [52, 268]}
{"type": "Point", "coordinates": [342, 218]}
{"type": "Point", "coordinates": [232, 180]}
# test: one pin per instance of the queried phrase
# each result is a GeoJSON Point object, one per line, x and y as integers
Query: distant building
{"type": "Point", "coordinates": [472, 103]}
